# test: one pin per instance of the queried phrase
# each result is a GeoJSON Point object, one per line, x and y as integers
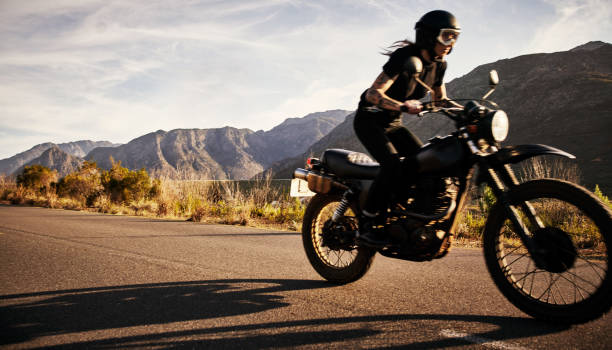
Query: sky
{"type": "Point", "coordinates": [108, 70]}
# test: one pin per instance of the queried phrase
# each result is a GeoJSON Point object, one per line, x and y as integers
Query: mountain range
{"type": "Point", "coordinates": [220, 153]}
{"type": "Point", "coordinates": [563, 99]}
{"type": "Point", "coordinates": [54, 156]}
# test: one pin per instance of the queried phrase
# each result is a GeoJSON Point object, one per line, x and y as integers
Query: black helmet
{"type": "Point", "coordinates": [429, 27]}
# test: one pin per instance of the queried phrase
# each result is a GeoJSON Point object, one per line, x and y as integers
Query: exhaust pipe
{"type": "Point", "coordinates": [301, 174]}
{"type": "Point", "coordinates": [316, 182]}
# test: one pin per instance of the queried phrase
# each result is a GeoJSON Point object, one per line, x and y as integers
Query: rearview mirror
{"type": "Point", "coordinates": [493, 81]}
{"type": "Point", "coordinates": [493, 78]}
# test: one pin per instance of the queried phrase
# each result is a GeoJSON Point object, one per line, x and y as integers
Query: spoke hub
{"type": "Point", "coordinates": [554, 250]}
{"type": "Point", "coordinates": [340, 234]}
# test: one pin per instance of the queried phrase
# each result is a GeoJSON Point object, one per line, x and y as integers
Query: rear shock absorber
{"type": "Point", "coordinates": [343, 206]}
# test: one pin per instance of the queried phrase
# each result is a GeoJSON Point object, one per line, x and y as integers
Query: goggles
{"type": "Point", "coordinates": [448, 36]}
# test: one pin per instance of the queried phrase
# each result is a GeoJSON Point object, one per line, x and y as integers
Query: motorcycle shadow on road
{"type": "Point", "coordinates": [26, 317]}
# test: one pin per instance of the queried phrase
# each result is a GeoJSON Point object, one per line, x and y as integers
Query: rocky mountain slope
{"type": "Point", "coordinates": [294, 135]}
{"type": "Point", "coordinates": [222, 153]}
{"type": "Point", "coordinates": [75, 149]}
{"type": "Point", "coordinates": [185, 153]}
{"type": "Point", "coordinates": [563, 99]}
{"type": "Point", "coordinates": [57, 159]}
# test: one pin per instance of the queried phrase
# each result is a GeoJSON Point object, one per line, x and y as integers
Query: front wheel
{"type": "Point", "coordinates": [568, 280]}
{"type": "Point", "coordinates": [330, 247]}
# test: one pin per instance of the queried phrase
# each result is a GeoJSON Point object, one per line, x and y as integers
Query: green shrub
{"type": "Point", "coordinates": [37, 178]}
{"type": "Point", "coordinates": [486, 200]}
{"type": "Point", "coordinates": [124, 185]}
{"type": "Point", "coordinates": [471, 225]}
{"type": "Point", "coordinates": [602, 197]}
{"type": "Point", "coordinates": [84, 185]}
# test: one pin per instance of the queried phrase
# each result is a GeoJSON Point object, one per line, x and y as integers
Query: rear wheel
{"type": "Point", "coordinates": [567, 278]}
{"type": "Point", "coordinates": [330, 247]}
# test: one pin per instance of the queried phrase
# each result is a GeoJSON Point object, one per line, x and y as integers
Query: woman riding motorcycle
{"type": "Point", "coordinates": [378, 119]}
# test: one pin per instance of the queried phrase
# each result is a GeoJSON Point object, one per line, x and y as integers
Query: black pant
{"type": "Point", "coordinates": [386, 139]}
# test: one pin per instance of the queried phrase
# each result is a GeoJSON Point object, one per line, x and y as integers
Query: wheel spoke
{"type": "Point", "coordinates": [533, 276]}
{"type": "Point", "coordinates": [547, 290]}
{"type": "Point", "coordinates": [593, 267]}
{"type": "Point", "coordinates": [550, 289]}
{"type": "Point", "coordinates": [526, 275]}
{"type": "Point", "coordinates": [514, 250]}
{"type": "Point", "coordinates": [577, 288]}
{"type": "Point", "coordinates": [580, 278]}
{"type": "Point", "coordinates": [560, 293]}
{"type": "Point", "coordinates": [507, 266]}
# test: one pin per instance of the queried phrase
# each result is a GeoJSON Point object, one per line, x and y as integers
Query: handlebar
{"type": "Point", "coordinates": [451, 112]}
{"type": "Point", "coordinates": [456, 114]}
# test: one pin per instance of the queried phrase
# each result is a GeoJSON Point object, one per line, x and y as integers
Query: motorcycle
{"type": "Point", "coordinates": [545, 241]}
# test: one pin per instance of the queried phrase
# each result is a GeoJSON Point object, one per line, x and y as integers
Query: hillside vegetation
{"type": "Point", "coordinates": [133, 192]}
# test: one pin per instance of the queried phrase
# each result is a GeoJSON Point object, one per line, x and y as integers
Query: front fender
{"type": "Point", "coordinates": [515, 154]}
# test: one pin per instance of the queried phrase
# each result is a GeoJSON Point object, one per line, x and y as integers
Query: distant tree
{"type": "Point", "coordinates": [85, 184]}
{"type": "Point", "coordinates": [37, 177]}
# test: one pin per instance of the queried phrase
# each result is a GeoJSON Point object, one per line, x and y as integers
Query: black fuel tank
{"type": "Point", "coordinates": [440, 155]}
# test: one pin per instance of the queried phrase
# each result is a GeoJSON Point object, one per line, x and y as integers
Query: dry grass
{"type": "Point", "coordinates": [549, 167]}
{"type": "Point", "coordinates": [258, 203]}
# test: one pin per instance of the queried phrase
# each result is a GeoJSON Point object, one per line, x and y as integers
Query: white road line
{"type": "Point", "coordinates": [496, 344]}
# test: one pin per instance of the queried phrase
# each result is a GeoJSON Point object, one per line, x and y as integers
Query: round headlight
{"type": "Point", "coordinates": [499, 126]}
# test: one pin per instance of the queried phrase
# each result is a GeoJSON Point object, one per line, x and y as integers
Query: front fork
{"type": "Point", "coordinates": [502, 181]}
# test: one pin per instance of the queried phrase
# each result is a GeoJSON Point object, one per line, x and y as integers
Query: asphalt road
{"type": "Point", "coordinates": [73, 279]}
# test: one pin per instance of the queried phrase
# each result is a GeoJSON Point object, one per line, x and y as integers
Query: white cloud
{"type": "Point", "coordinates": [574, 22]}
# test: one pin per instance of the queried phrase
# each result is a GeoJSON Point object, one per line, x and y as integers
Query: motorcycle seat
{"type": "Point", "coordinates": [350, 164]}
